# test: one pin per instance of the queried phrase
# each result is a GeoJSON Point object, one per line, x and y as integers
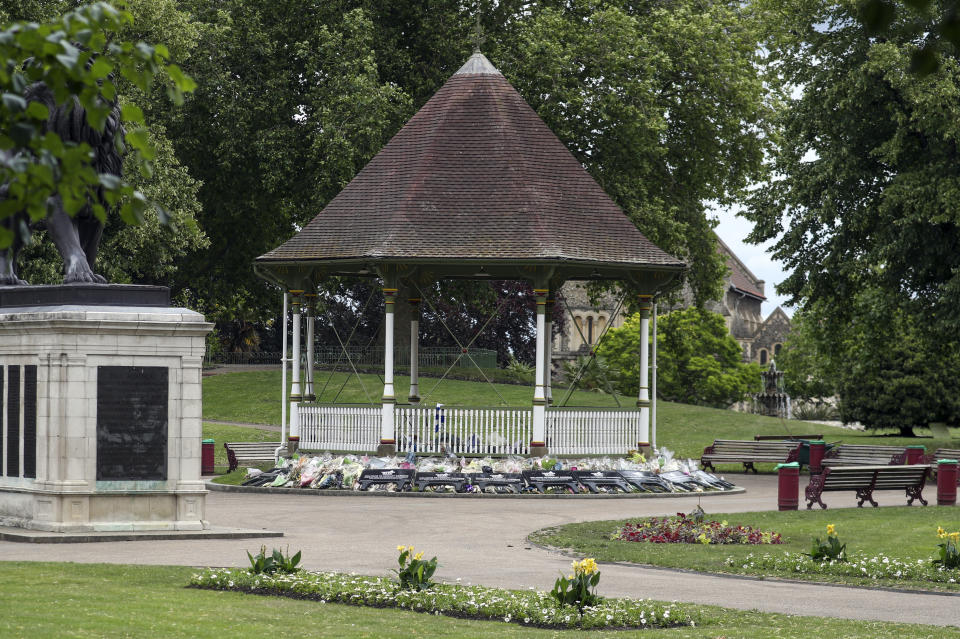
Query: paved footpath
{"type": "Point", "coordinates": [483, 541]}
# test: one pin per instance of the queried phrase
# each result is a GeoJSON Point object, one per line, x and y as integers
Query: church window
{"type": "Point", "coordinates": [763, 356]}
{"type": "Point", "coordinates": [590, 329]}
{"type": "Point", "coordinates": [776, 350]}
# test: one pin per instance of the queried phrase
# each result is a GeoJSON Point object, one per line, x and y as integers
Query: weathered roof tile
{"type": "Point", "coordinates": [474, 174]}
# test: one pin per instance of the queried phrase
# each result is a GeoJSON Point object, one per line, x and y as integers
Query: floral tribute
{"type": "Point", "coordinates": [683, 529]}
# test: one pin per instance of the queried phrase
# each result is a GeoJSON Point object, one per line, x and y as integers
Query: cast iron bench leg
{"type": "Point", "coordinates": [814, 490]}
{"type": "Point", "coordinates": [865, 494]}
{"type": "Point", "coordinates": [915, 492]}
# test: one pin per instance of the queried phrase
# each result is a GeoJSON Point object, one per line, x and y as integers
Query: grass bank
{"type": "Point", "coordinates": [255, 397]}
{"type": "Point", "coordinates": [897, 532]}
{"type": "Point", "coordinates": [94, 600]}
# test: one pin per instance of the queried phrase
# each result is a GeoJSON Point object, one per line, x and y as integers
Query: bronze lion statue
{"type": "Point", "coordinates": [76, 238]}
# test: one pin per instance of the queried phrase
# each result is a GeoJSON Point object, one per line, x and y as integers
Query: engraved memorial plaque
{"type": "Point", "coordinates": [132, 423]}
{"type": "Point", "coordinates": [30, 421]}
{"type": "Point", "coordinates": [13, 420]}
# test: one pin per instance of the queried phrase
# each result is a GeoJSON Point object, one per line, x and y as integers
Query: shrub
{"type": "Point", "coordinates": [949, 555]}
{"type": "Point", "coordinates": [577, 589]}
{"type": "Point", "coordinates": [415, 571]}
{"type": "Point", "coordinates": [688, 530]}
{"type": "Point", "coordinates": [275, 562]}
{"type": "Point", "coordinates": [829, 551]}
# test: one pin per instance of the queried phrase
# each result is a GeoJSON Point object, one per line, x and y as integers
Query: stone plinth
{"type": "Point", "coordinates": [100, 405]}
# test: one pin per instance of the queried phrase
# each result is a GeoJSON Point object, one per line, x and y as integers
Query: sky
{"type": "Point", "coordinates": [732, 230]}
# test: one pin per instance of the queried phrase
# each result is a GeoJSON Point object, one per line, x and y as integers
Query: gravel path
{"type": "Point", "coordinates": [484, 541]}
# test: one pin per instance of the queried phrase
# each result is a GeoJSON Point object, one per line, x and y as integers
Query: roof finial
{"type": "Point", "coordinates": [477, 31]}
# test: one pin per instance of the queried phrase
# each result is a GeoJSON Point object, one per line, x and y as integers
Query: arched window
{"type": "Point", "coordinates": [763, 356]}
{"type": "Point", "coordinates": [579, 322]}
{"type": "Point", "coordinates": [776, 350]}
{"type": "Point", "coordinates": [590, 329]}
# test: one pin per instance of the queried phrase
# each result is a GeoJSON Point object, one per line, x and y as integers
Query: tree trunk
{"type": "Point", "coordinates": [906, 431]}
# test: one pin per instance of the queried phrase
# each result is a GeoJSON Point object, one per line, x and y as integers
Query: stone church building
{"type": "Point", "coordinates": [760, 339]}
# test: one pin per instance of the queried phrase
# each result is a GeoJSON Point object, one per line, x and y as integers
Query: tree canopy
{"type": "Point", "coordinates": [79, 56]}
{"type": "Point", "coordinates": [663, 104]}
{"type": "Point", "coordinates": [866, 170]}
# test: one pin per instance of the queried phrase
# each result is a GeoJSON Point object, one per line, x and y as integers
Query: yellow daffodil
{"type": "Point", "coordinates": [831, 529]}
{"type": "Point", "coordinates": [955, 537]}
{"type": "Point", "coordinates": [400, 547]}
{"type": "Point", "coordinates": [586, 567]}
{"type": "Point", "coordinates": [941, 533]}
{"type": "Point", "coordinates": [419, 555]}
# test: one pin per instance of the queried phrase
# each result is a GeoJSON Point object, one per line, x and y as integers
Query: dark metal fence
{"type": "Point", "coordinates": [435, 357]}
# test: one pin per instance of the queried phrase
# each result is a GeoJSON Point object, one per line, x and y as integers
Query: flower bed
{"type": "Point", "coordinates": [683, 529]}
{"type": "Point", "coordinates": [877, 567]}
{"type": "Point", "coordinates": [531, 607]}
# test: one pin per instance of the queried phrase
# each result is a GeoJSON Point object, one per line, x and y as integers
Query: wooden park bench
{"type": "Point", "coordinates": [866, 479]}
{"type": "Point", "coordinates": [780, 438]}
{"type": "Point", "coordinates": [864, 455]}
{"type": "Point", "coordinates": [732, 451]}
{"type": "Point", "coordinates": [250, 453]}
{"type": "Point", "coordinates": [942, 453]}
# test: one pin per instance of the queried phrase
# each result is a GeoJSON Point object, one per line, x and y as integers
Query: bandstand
{"type": "Point", "coordinates": [474, 186]}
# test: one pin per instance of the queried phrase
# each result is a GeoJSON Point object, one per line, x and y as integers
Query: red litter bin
{"type": "Point", "coordinates": [788, 485]}
{"type": "Point", "coordinates": [817, 448]}
{"type": "Point", "coordinates": [915, 454]}
{"type": "Point", "coordinates": [206, 457]}
{"type": "Point", "coordinates": [946, 482]}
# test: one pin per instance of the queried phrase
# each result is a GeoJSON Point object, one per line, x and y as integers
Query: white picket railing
{"type": "Point", "coordinates": [585, 431]}
{"type": "Point", "coordinates": [484, 431]}
{"type": "Point", "coordinates": [333, 427]}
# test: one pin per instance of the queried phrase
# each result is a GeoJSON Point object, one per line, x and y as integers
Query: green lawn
{"type": "Point", "coordinates": [221, 433]}
{"type": "Point", "coordinates": [94, 600]}
{"type": "Point", "coordinates": [898, 532]}
{"type": "Point", "coordinates": [255, 397]}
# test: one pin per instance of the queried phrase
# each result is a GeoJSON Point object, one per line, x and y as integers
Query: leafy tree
{"type": "Point", "coordinates": [662, 103]}
{"type": "Point", "coordinates": [272, 148]}
{"type": "Point", "coordinates": [893, 377]}
{"type": "Point", "coordinates": [884, 369]}
{"type": "Point", "coordinates": [698, 361]}
{"type": "Point", "coordinates": [289, 107]}
{"type": "Point", "coordinates": [936, 26]}
{"type": "Point", "coordinates": [867, 171]}
{"type": "Point", "coordinates": [78, 56]}
{"type": "Point", "coordinates": [806, 368]}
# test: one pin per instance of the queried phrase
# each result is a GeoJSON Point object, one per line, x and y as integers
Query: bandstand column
{"type": "Point", "coordinates": [414, 396]}
{"type": "Point", "coordinates": [538, 444]}
{"type": "Point", "coordinates": [296, 396]}
{"type": "Point", "coordinates": [388, 443]}
{"type": "Point", "coordinates": [548, 349]}
{"type": "Point", "coordinates": [643, 400]}
{"type": "Point", "coordinates": [310, 301]}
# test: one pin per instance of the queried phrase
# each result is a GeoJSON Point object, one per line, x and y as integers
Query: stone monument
{"type": "Point", "coordinates": [100, 408]}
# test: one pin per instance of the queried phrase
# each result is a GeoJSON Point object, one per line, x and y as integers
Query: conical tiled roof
{"type": "Point", "coordinates": [474, 175]}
